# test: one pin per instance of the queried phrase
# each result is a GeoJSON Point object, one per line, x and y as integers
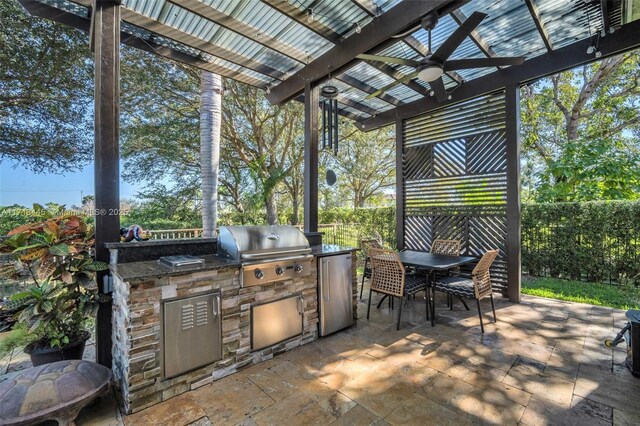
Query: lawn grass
{"type": "Point", "coordinates": [614, 296]}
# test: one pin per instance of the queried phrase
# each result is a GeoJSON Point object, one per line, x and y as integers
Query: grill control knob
{"type": "Point", "coordinates": [279, 270]}
{"type": "Point", "coordinates": [298, 268]}
{"type": "Point", "coordinates": [259, 274]}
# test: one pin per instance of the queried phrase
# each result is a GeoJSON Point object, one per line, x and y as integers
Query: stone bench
{"type": "Point", "coordinates": [56, 391]}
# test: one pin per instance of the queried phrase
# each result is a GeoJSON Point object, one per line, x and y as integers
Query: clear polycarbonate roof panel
{"type": "Point", "coordinates": [359, 96]}
{"type": "Point", "coordinates": [509, 30]}
{"type": "Point", "coordinates": [260, 79]}
{"type": "Point", "coordinates": [192, 24]}
{"type": "Point", "coordinates": [370, 75]}
{"type": "Point", "coordinates": [404, 93]}
{"type": "Point", "coordinates": [340, 16]}
{"type": "Point", "coordinates": [67, 6]}
{"type": "Point", "coordinates": [268, 20]}
{"type": "Point", "coordinates": [568, 21]}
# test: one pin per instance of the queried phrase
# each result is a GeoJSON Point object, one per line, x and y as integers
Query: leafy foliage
{"type": "Point", "coordinates": [56, 254]}
{"type": "Point", "coordinates": [45, 92]}
{"type": "Point", "coordinates": [580, 133]}
{"type": "Point", "coordinates": [593, 241]}
{"type": "Point", "coordinates": [365, 164]}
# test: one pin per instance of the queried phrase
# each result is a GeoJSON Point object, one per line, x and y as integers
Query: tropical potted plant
{"type": "Point", "coordinates": [61, 300]}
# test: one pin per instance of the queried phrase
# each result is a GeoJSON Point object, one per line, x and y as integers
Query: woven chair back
{"type": "Point", "coordinates": [388, 272]}
{"type": "Point", "coordinates": [481, 276]}
{"type": "Point", "coordinates": [446, 247]}
{"type": "Point", "coordinates": [369, 243]}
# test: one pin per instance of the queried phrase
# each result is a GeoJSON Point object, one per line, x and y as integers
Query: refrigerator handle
{"type": "Point", "coordinates": [326, 282]}
{"type": "Point", "coordinates": [301, 305]}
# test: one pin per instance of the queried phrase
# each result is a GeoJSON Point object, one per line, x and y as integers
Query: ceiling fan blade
{"type": "Point", "coordinates": [457, 37]}
{"type": "Point", "coordinates": [459, 64]}
{"type": "Point", "coordinates": [395, 83]}
{"type": "Point", "coordinates": [438, 89]}
{"type": "Point", "coordinates": [389, 59]}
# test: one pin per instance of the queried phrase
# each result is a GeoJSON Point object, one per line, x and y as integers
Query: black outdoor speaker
{"type": "Point", "coordinates": [633, 342]}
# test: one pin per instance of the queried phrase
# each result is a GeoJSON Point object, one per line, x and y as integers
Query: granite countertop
{"type": "Point", "coordinates": [168, 242]}
{"type": "Point", "coordinates": [330, 249]}
{"type": "Point", "coordinates": [151, 268]}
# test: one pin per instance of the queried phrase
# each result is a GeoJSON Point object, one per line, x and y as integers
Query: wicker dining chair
{"type": "Point", "coordinates": [389, 277]}
{"type": "Point", "coordinates": [477, 287]}
{"type": "Point", "coordinates": [446, 247]}
{"type": "Point", "coordinates": [365, 246]}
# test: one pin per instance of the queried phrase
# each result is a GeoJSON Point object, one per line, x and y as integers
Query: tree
{"type": "Point", "coordinates": [266, 139]}
{"type": "Point", "coordinates": [578, 132]}
{"type": "Point", "coordinates": [365, 162]}
{"type": "Point", "coordinates": [160, 121]}
{"type": "Point", "coordinates": [210, 116]}
{"type": "Point", "coordinates": [45, 92]}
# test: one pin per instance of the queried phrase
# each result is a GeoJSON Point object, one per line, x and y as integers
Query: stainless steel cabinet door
{"type": "Point", "coordinates": [277, 321]}
{"type": "Point", "coordinates": [192, 334]}
{"type": "Point", "coordinates": [335, 293]}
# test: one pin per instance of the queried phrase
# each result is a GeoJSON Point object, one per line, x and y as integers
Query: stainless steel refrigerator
{"type": "Point", "coordinates": [335, 293]}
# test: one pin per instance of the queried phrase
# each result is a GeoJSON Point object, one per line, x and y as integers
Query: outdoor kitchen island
{"type": "Point", "coordinates": [175, 330]}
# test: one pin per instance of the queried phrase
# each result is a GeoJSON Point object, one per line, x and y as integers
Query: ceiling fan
{"type": "Point", "coordinates": [433, 65]}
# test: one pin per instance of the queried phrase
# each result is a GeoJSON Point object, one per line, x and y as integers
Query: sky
{"type": "Point", "coordinates": [21, 186]}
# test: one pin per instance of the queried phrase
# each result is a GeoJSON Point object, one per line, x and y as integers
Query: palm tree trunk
{"type": "Point", "coordinates": [210, 124]}
{"type": "Point", "coordinates": [272, 208]}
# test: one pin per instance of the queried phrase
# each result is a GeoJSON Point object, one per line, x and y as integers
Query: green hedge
{"type": "Point", "coordinates": [593, 241]}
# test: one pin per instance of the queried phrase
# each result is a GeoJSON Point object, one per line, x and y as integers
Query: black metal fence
{"type": "Point", "coordinates": [594, 241]}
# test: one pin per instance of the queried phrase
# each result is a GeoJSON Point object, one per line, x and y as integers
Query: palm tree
{"type": "Point", "coordinates": [210, 124]}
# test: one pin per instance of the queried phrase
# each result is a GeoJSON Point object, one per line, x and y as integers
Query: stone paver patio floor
{"type": "Point", "coordinates": [543, 362]}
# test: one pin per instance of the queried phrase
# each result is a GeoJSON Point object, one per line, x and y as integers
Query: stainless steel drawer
{"type": "Point", "coordinates": [274, 322]}
{"type": "Point", "coordinates": [192, 335]}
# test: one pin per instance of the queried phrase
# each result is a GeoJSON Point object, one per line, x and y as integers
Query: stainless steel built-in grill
{"type": "Point", "coordinates": [266, 253]}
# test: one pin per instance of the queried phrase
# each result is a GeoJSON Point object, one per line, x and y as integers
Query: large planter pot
{"type": "Point", "coordinates": [74, 350]}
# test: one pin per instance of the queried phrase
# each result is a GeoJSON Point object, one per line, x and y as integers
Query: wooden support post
{"type": "Point", "coordinates": [311, 99]}
{"type": "Point", "coordinates": [399, 187]}
{"type": "Point", "coordinates": [513, 243]}
{"type": "Point", "coordinates": [106, 36]}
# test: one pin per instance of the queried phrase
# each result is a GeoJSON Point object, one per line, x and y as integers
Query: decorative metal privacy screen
{"type": "Point", "coordinates": [455, 179]}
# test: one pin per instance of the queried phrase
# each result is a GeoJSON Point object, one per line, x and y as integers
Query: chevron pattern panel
{"type": "Point", "coordinates": [455, 179]}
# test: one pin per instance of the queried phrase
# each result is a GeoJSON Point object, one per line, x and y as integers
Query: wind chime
{"type": "Point", "coordinates": [329, 118]}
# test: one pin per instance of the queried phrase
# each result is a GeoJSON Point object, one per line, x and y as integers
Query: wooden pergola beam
{"type": "Point", "coordinates": [311, 109]}
{"type": "Point", "coordinates": [179, 36]}
{"type": "Point", "coordinates": [45, 11]}
{"type": "Point", "coordinates": [367, 88]}
{"type": "Point", "coordinates": [475, 36]}
{"type": "Point", "coordinates": [624, 39]}
{"type": "Point", "coordinates": [398, 19]}
{"type": "Point", "coordinates": [397, 75]}
{"type": "Point", "coordinates": [537, 20]}
{"type": "Point", "coordinates": [106, 31]}
{"type": "Point", "coordinates": [412, 42]}
{"type": "Point", "coordinates": [606, 21]}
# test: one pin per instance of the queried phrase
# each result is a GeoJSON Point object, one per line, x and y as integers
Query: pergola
{"type": "Point", "coordinates": [458, 169]}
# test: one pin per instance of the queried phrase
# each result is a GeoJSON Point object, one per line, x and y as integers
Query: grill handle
{"type": "Point", "coordinates": [279, 253]}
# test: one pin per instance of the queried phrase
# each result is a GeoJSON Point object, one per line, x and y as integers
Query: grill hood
{"type": "Point", "coordinates": [252, 243]}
